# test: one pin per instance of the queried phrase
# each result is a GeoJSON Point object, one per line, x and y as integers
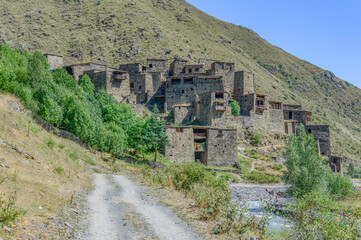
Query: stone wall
{"type": "Point", "coordinates": [226, 71]}
{"type": "Point", "coordinates": [295, 114]}
{"type": "Point", "coordinates": [335, 164]}
{"type": "Point", "coordinates": [322, 137]}
{"type": "Point", "coordinates": [183, 114]}
{"type": "Point", "coordinates": [276, 121]}
{"type": "Point", "coordinates": [213, 109]}
{"type": "Point", "coordinates": [119, 89]}
{"type": "Point", "coordinates": [247, 103]}
{"type": "Point", "coordinates": [158, 65]}
{"type": "Point", "coordinates": [177, 67]}
{"type": "Point", "coordinates": [181, 148]}
{"type": "Point", "coordinates": [194, 69]}
{"type": "Point", "coordinates": [78, 70]}
{"type": "Point", "coordinates": [178, 92]}
{"type": "Point", "coordinates": [55, 61]}
{"type": "Point", "coordinates": [243, 84]}
{"type": "Point", "coordinates": [222, 147]}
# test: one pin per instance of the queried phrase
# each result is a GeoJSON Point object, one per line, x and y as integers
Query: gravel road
{"type": "Point", "coordinates": [119, 208]}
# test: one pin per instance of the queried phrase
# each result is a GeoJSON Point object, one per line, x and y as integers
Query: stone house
{"type": "Point", "coordinates": [210, 146]}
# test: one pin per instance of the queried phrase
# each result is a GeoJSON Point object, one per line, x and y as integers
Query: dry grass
{"type": "Point", "coordinates": [42, 188]}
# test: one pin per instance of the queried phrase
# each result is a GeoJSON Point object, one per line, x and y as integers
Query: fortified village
{"type": "Point", "coordinates": [200, 93]}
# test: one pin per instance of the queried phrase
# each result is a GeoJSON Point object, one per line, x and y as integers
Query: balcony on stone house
{"type": "Point", "coordinates": [119, 76]}
{"type": "Point", "coordinates": [199, 147]}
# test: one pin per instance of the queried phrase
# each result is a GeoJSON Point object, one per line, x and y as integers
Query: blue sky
{"type": "Point", "coordinates": [326, 33]}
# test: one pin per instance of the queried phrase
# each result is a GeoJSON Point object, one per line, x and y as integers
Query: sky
{"type": "Point", "coordinates": [326, 33]}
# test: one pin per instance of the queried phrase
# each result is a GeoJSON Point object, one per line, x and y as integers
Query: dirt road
{"type": "Point", "coordinates": [121, 209]}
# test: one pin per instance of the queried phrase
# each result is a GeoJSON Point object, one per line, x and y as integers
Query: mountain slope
{"type": "Point", "coordinates": [118, 31]}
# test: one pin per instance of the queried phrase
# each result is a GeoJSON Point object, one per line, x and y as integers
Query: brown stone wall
{"type": "Point", "coordinates": [181, 148]}
{"type": "Point", "coordinates": [222, 147]}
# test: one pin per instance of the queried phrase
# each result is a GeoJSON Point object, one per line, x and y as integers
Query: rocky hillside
{"type": "Point", "coordinates": [117, 31]}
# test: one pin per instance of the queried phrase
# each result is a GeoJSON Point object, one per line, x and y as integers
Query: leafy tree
{"type": "Point", "coordinates": [306, 169]}
{"type": "Point", "coordinates": [154, 133]}
{"type": "Point", "coordinates": [78, 119]}
{"type": "Point", "coordinates": [351, 170]}
{"type": "Point", "coordinates": [86, 84]}
{"type": "Point", "coordinates": [235, 108]}
{"type": "Point", "coordinates": [112, 139]}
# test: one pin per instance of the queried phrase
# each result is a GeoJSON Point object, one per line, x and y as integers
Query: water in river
{"type": "Point", "coordinates": [276, 222]}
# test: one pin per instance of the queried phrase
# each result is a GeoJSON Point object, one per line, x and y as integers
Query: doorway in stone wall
{"type": "Point", "coordinates": [201, 157]}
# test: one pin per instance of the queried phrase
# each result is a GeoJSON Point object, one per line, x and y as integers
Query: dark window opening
{"type": "Point", "coordinates": [176, 81]}
{"type": "Point", "coordinates": [150, 65]}
{"type": "Point", "coordinates": [197, 69]}
{"type": "Point", "coordinates": [182, 91]}
{"type": "Point", "coordinates": [190, 118]}
{"type": "Point", "coordinates": [219, 95]}
{"type": "Point", "coordinates": [140, 87]}
{"type": "Point", "coordinates": [290, 115]}
{"type": "Point", "coordinates": [188, 81]}
{"type": "Point", "coordinates": [309, 131]}
{"type": "Point", "coordinates": [190, 70]}
{"type": "Point", "coordinates": [131, 85]}
{"type": "Point", "coordinates": [323, 153]}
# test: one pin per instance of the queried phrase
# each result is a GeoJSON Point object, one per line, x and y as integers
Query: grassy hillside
{"type": "Point", "coordinates": [118, 31]}
{"type": "Point", "coordinates": [41, 172]}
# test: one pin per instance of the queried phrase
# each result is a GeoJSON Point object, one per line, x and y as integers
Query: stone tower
{"type": "Point", "coordinates": [243, 84]}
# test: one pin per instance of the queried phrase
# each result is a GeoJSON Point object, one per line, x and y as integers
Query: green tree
{"type": "Point", "coordinates": [235, 108]}
{"type": "Point", "coordinates": [154, 133]}
{"type": "Point", "coordinates": [306, 169]}
{"type": "Point", "coordinates": [86, 84]}
{"type": "Point", "coordinates": [351, 170]}
{"type": "Point", "coordinates": [112, 139]}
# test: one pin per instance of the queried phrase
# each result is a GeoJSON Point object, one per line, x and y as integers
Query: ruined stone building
{"type": "Point", "coordinates": [211, 146]}
{"type": "Point", "coordinates": [196, 97]}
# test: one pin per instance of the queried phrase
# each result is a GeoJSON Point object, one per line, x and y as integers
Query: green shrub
{"type": "Point", "coordinates": [340, 186]}
{"type": "Point", "coordinates": [74, 155]}
{"type": "Point", "coordinates": [229, 177]}
{"type": "Point", "coordinates": [306, 169]}
{"type": "Point", "coordinates": [257, 177]}
{"type": "Point", "coordinates": [256, 140]}
{"type": "Point", "coordinates": [318, 216]}
{"type": "Point", "coordinates": [50, 142]}
{"type": "Point", "coordinates": [245, 164]}
{"type": "Point", "coordinates": [235, 108]}
{"type": "Point", "coordinates": [61, 146]}
{"type": "Point", "coordinates": [59, 169]}
{"type": "Point", "coordinates": [8, 212]}
{"type": "Point", "coordinates": [277, 166]}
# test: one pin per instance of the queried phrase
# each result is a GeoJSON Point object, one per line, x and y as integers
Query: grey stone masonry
{"type": "Point", "coordinates": [322, 137]}
{"type": "Point", "coordinates": [180, 148]}
{"type": "Point", "coordinates": [55, 61]}
{"type": "Point", "coordinates": [211, 146]}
